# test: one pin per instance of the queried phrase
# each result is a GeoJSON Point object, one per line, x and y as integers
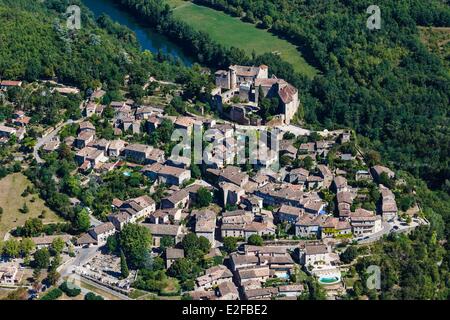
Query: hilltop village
{"type": "Point", "coordinates": [146, 223]}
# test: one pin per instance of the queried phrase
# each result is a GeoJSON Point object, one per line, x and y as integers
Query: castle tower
{"type": "Point", "coordinates": [233, 80]}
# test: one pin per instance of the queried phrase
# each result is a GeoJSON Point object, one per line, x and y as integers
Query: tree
{"type": "Point", "coordinates": [57, 245]}
{"type": "Point", "coordinates": [26, 246]}
{"type": "Point", "coordinates": [92, 296]}
{"type": "Point", "coordinates": [308, 162]}
{"type": "Point", "coordinates": [41, 259]}
{"type": "Point", "coordinates": [166, 242]}
{"type": "Point", "coordinates": [230, 244]}
{"type": "Point", "coordinates": [24, 208]}
{"type": "Point", "coordinates": [11, 248]}
{"type": "Point", "coordinates": [70, 289]}
{"type": "Point", "coordinates": [113, 244]}
{"type": "Point", "coordinates": [255, 240]}
{"type": "Point", "coordinates": [204, 197]}
{"type": "Point", "coordinates": [267, 22]}
{"type": "Point", "coordinates": [32, 227]}
{"type": "Point", "coordinates": [123, 266]}
{"type": "Point", "coordinates": [316, 292]}
{"type": "Point", "coordinates": [349, 254]}
{"type": "Point", "coordinates": [53, 277]}
{"type": "Point", "coordinates": [135, 241]}
{"type": "Point", "coordinates": [196, 172]}
{"type": "Point", "coordinates": [195, 247]}
{"type": "Point", "coordinates": [181, 269]}
{"type": "Point", "coordinates": [83, 221]}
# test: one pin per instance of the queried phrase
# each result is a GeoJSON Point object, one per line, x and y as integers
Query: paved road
{"type": "Point", "coordinates": [82, 256]}
{"type": "Point", "coordinates": [297, 131]}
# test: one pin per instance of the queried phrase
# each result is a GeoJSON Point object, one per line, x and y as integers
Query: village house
{"type": "Point", "coordinates": [265, 251]}
{"type": "Point", "coordinates": [6, 84]}
{"type": "Point", "coordinates": [120, 219]}
{"type": "Point", "coordinates": [100, 234]}
{"type": "Point", "coordinates": [19, 119]}
{"type": "Point", "coordinates": [339, 184]}
{"type": "Point", "coordinates": [84, 138]}
{"type": "Point", "coordinates": [259, 273]}
{"type": "Point", "coordinates": [241, 261]}
{"type": "Point", "coordinates": [308, 226]}
{"type": "Point", "coordinates": [361, 175]}
{"type": "Point", "coordinates": [90, 109]}
{"type": "Point", "coordinates": [314, 254]}
{"type": "Point", "coordinates": [378, 170]}
{"type": "Point", "coordinates": [7, 131]}
{"type": "Point", "coordinates": [205, 224]}
{"type": "Point", "coordinates": [172, 255]}
{"type": "Point", "coordinates": [86, 126]}
{"type": "Point", "coordinates": [260, 294]}
{"type": "Point", "coordinates": [213, 277]}
{"type": "Point", "coordinates": [252, 203]}
{"type": "Point", "coordinates": [178, 199]}
{"type": "Point", "coordinates": [230, 174]}
{"type": "Point", "coordinates": [314, 182]}
{"type": "Point", "coordinates": [278, 194]}
{"type": "Point", "coordinates": [137, 152]}
{"type": "Point", "coordinates": [291, 290]}
{"type": "Point", "coordinates": [159, 217]}
{"type": "Point", "coordinates": [289, 214]}
{"type": "Point", "coordinates": [115, 148]}
{"type": "Point", "coordinates": [259, 228]}
{"type": "Point", "coordinates": [166, 174]}
{"type": "Point", "coordinates": [46, 241]}
{"type": "Point", "coordinates": [51, 146]}
{"type": "Point", "coordinates": [389, 208]}
{"type": "Point", "coordinates": [232, 194]}
{"type": "Point", "coordinates": [344, 200]}
{"type": "Point", "coordinates": [227, 290]}
{"type": "Point", "coordinates": [90, 155]}
{"type": "Point", "coordinates": [158, 231]}
{"type": "Point", "coordinates": [132, 210]}
{"type": "Point", "coordinates": [138, 208]}
{"type": "Point", "coordinates": [299, 176]}
{"type": "Point", "coordinates": [364, 222]}
{"type": "Point", "coordinates": [326, 174]}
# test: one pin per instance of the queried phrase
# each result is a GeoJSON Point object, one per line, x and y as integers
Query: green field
{"type": "Point", "coordinates": [230, 31]}
{"type": "Point", "coordinates": [11, 188]}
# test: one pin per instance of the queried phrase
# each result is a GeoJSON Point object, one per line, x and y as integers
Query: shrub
{"type": "Point", "coordinates": [70, 290]}
{"type": "Point", "coordinates": [52, 294]}
{"type": "Point", "coordinates": [92, 296]}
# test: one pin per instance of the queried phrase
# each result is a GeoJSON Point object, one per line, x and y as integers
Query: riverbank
{"type": "Point", "coordinates": [148, 38]}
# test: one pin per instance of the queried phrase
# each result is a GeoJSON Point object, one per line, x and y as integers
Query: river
{"type": "Point", "coordinates": [148, 38]}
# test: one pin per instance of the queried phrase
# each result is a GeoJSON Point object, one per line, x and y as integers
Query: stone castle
{"type": "Point", "coordinates": [244, 82]}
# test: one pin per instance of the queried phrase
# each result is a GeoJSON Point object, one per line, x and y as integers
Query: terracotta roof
{"type": "Point", "coordinates": [163, 229]}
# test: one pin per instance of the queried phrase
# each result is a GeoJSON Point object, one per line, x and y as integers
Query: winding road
{"type": "Point", "coordinates": [49, 137]}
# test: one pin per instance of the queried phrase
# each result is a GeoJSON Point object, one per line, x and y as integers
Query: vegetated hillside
{"type": "Point", "coordinates": [383, 83]}
{"type": "Point", "coordinates": [36, 44]}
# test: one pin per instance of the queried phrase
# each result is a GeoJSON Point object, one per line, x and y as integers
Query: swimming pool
{"type": "Point", "coordinates": [127, 174]}
{"type": "Point", "coordinates": [283, 276]}
{"type": "Point", "coordinates": [329, 280]}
